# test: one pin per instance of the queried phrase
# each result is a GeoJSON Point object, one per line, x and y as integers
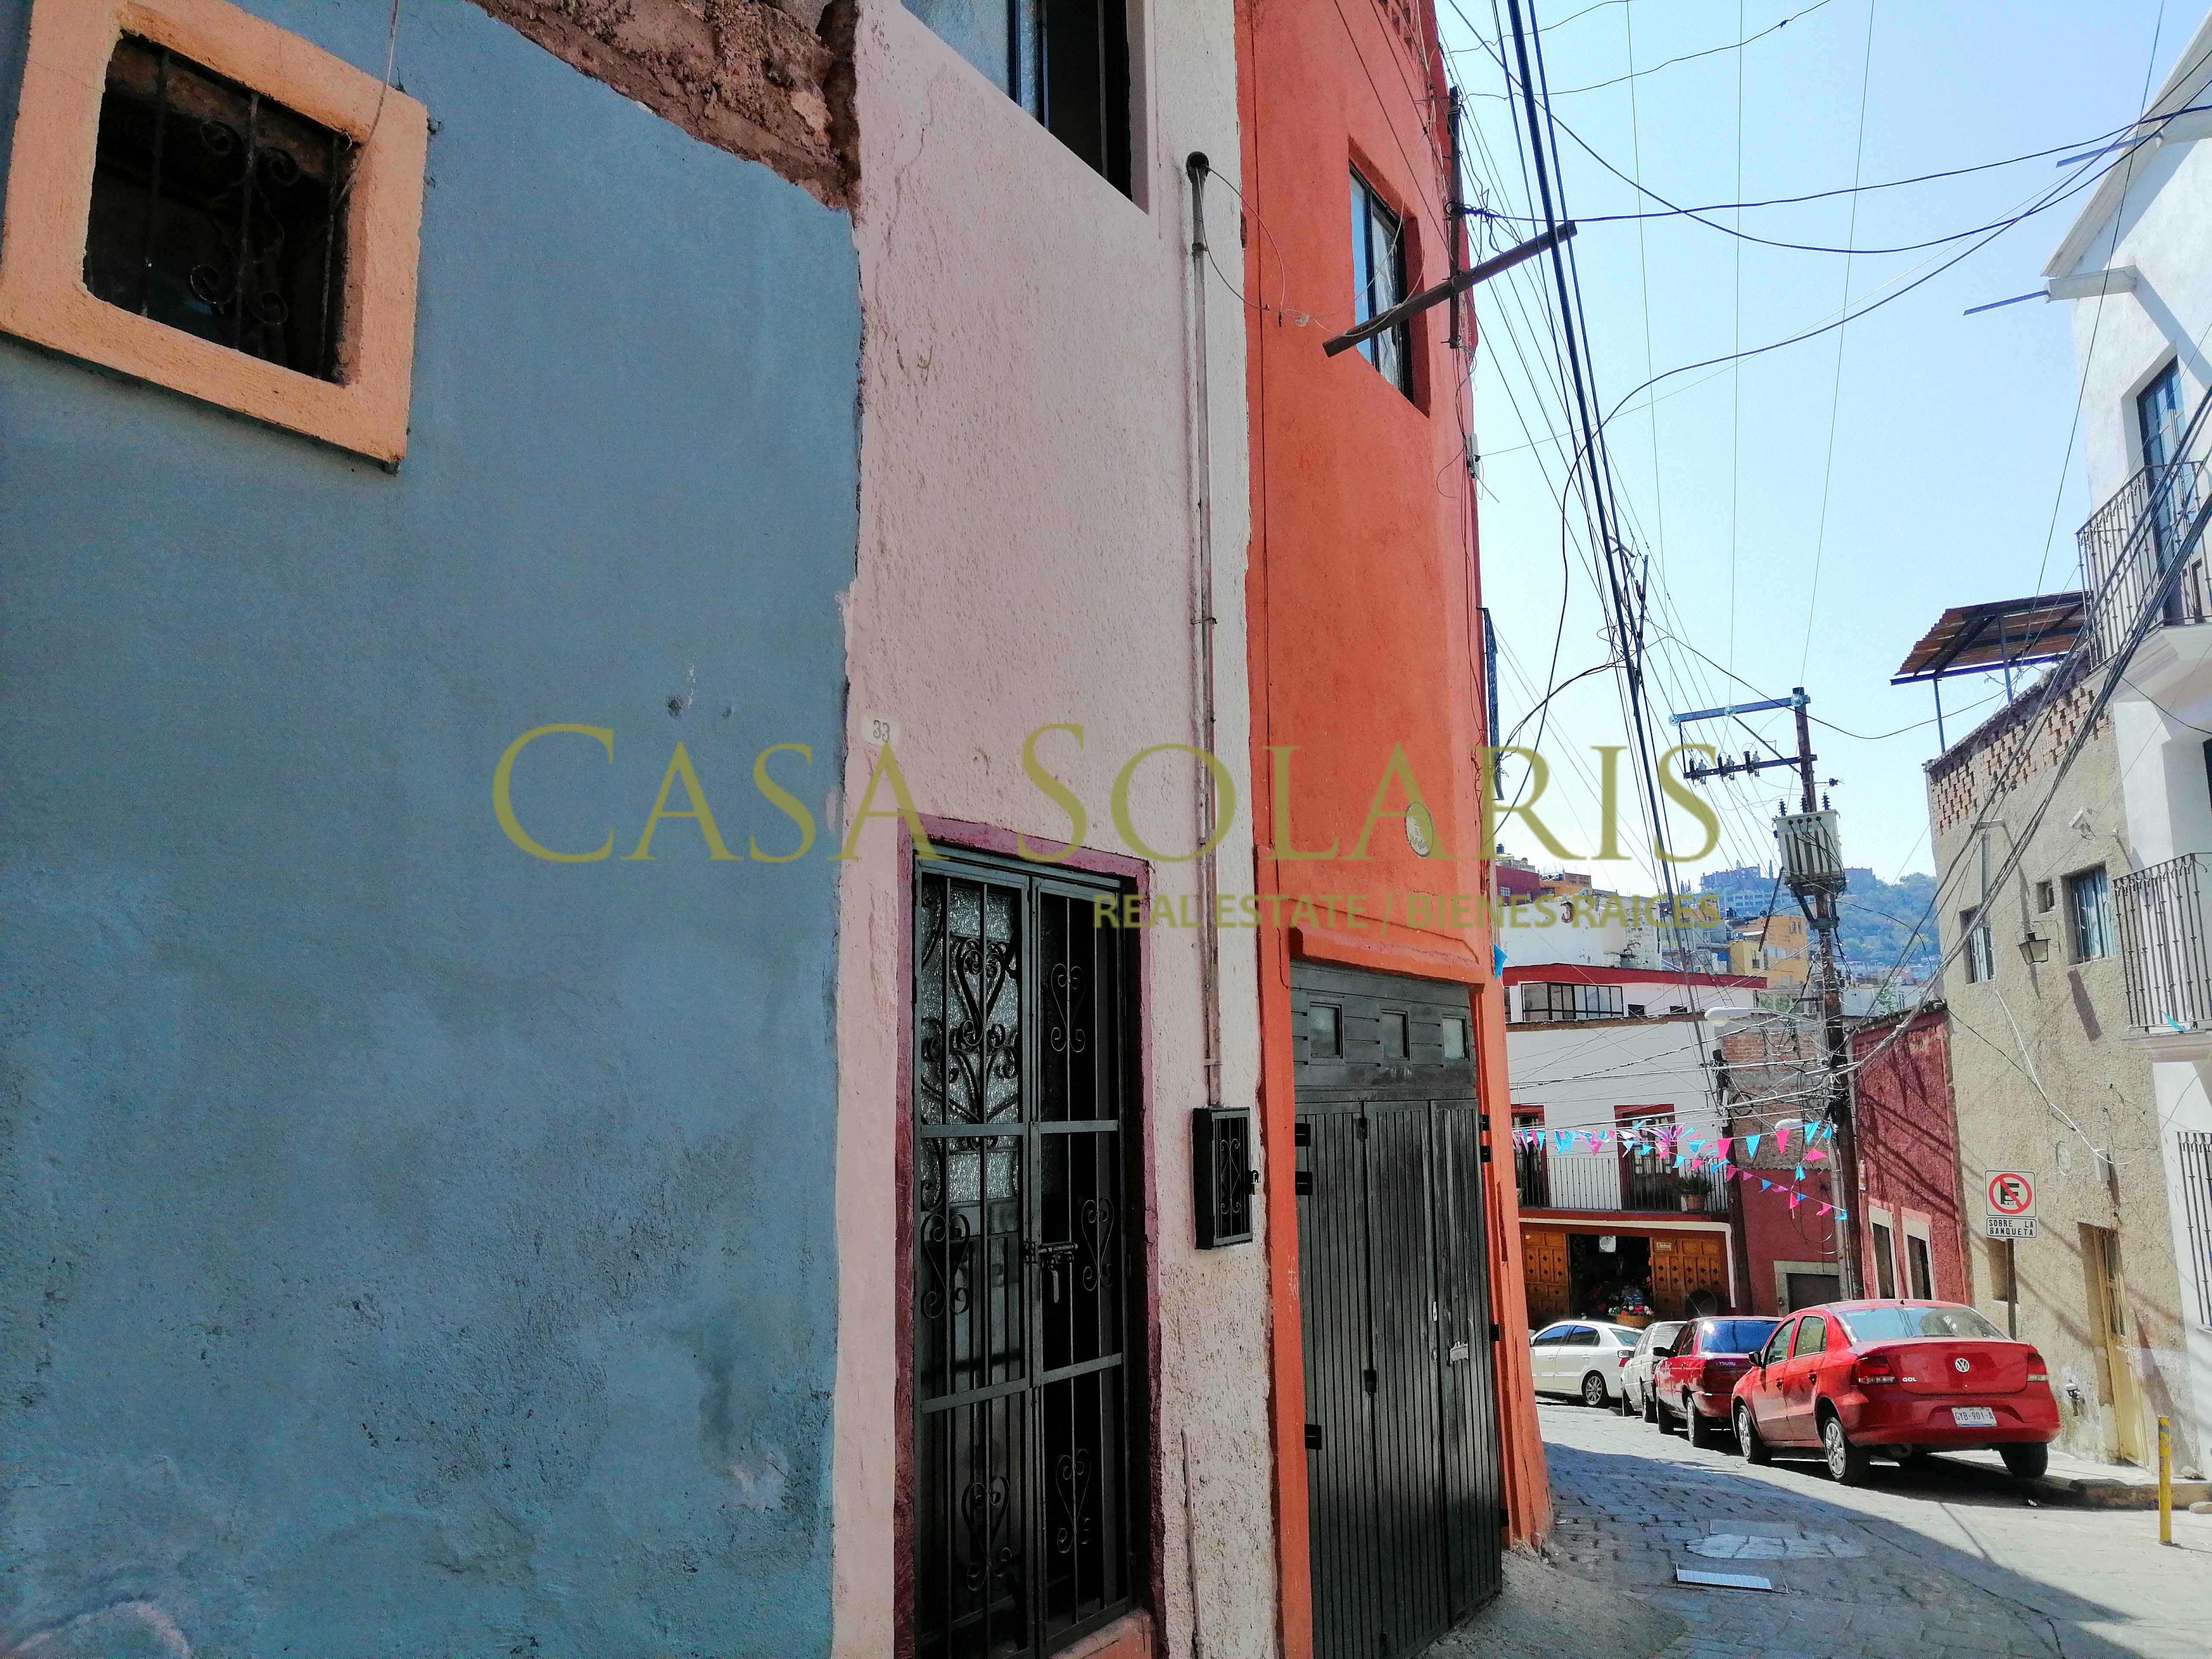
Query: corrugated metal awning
{"type": "Point", "coordinates": [1975, 638]}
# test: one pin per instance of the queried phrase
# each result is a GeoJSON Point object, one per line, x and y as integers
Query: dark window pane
{"type": "Point", "coordinates": [1394, 1037]}
{"type": "Point", "coordinates": [1067, 62]}
{"type": "Point", "coordinates": [1324, 1032]}
{"type": "Point", "coordinates": [217, 212]}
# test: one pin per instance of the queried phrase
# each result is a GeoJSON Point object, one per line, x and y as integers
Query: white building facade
{"type": "Point", "coordinates": [2136, 267]}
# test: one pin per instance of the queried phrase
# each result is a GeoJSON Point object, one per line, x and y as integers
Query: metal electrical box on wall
{"type": "Point", "coordinates": [1222, 1177]}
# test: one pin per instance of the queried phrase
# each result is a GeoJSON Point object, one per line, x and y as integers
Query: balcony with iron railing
{"type": "Point", "coordinates": [2129, 549]}
{"type": "Point", "coordinates": [1617, 1182]}
{"type": "Point", "coordinates": [2163, 944]}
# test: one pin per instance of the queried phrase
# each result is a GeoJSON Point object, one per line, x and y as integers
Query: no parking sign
{"type": "Point", "coordinates": [2012, 1205]}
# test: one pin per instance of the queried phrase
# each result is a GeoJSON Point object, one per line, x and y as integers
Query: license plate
{"type": "Point", "coordinates": [1974, 1417]}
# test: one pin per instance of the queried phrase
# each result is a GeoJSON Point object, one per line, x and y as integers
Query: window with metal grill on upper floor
{"type": "Point", "coordinates": [217, 210]}
{"type": "Point", "coordinates": [2089, 914]}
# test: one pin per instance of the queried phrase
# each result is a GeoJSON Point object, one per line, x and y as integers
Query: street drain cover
{"type": "Point", "coordinates": [1723, 1580]}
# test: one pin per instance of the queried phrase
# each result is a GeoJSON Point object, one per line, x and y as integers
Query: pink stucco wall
{"type": "Point", "coordinates": [1027, 545]}
{"type": "Point", "coordinates": [1908, 1143]}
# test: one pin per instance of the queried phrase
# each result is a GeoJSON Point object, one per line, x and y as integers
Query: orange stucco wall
{"type": "Point", "coordinates": [1365, 629]}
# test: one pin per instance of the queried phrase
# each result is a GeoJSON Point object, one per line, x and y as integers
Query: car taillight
{"type": "Point", "coordinates": [1623, 1360]}
{"type": "Point", "coordinates": [1874, 1368]}
{"type": "Point", "coordinates": [2038, 1369]}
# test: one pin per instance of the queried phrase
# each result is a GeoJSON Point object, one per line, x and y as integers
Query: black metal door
{"type": "Point", "coordinates": [1403, 1484]}
{"type": "Point", "coordinates": [1025, 1082]}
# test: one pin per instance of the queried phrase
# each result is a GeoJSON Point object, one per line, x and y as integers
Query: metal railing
{"type": "Point", "coordinates": [2162, 944]}
{"type": "Point", "coordinates": [2128, 545]}
{"type": "Point", "coordinates": [1531, 1177]}
{"type": "Point", "coordinates": [1548, 1180]}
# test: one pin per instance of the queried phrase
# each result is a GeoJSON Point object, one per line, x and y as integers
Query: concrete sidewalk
{"type": "Point", "coordinates": [2082, 1484]}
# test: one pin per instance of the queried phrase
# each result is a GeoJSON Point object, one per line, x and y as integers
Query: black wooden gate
{"type": "Point", "coordinates": [1024, 1080]}
{"type": "Point", "coordinates": [1405, 1490]}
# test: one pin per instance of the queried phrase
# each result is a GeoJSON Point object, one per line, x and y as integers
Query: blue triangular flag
{"type": "Point", "coordinates": [1801, 1172]}
{"type": "Point", "coordinates": [1753, 1142]}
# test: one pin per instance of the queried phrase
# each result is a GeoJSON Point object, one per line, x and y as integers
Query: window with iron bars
{"type": "Point", "coordinates": [2089, 914]}
{"type": "Point", "coordinates": [1980, 954]}
{"type": "Point", "coordinates": [216, 210]}
{"type": "Point", "coordinates": [2197, 1203]}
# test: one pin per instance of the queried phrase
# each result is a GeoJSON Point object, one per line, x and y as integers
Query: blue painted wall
{"type": "Point", "coordinates": [410, 1248]}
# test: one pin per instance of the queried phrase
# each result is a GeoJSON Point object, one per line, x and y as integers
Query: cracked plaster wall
{"type": "Point", "coordinates": [407, 1246]}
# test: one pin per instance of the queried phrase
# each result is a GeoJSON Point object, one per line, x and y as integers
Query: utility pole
{"type": "Point", "coordinates": [1812, 866]}
{"type": "Point", "coordinates": [1815, 881]}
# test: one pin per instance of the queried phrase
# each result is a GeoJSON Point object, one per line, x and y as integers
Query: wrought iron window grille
{"type": "Point", "coordinates": [1222, 1180]}
{"type": "Point", "coordinates": [2195, 1148]}
{"type": "Point", "coordinates": [217, 210]}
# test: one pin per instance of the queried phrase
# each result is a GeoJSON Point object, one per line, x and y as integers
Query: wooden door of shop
{"type": "Point", "coordinates": [1682, 1264]}
{"type": "Point", "coordinates": [1403, 1484]}
{"type": "Point", "coordinates": [1544, 1276]}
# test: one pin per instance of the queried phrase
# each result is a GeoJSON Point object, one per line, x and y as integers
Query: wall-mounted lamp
{"type": "Point", "coordinates": [2034, 948]}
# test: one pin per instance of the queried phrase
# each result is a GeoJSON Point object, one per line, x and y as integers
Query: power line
{"type": "Point", "coordinates": [1867, 190]}
{"type": "Point", "coordinates": [1691, 57]}
{"type": "Point", "coordinates": [1836, 389]}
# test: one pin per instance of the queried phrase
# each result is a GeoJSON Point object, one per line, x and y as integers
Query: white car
{"type": "Point", "coordinates": [1635, 1373]}
{"type": "Point", "coordinates": [1581, 1358]}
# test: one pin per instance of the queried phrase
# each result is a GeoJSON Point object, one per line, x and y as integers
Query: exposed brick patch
{"type": "Point", "coordinates": [773, 85]}
{"type": "Point", "coordinates": [1961, 778]}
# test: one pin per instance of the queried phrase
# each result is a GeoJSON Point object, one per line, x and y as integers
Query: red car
{"type": "Point", "coordinates": [1902, 1377]}
{"type": "Point", "coordinates": [1695, 1380]}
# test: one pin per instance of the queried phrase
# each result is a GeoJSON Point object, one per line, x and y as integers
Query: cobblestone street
{"type": "Point", "coordinates": [1933, 1560]}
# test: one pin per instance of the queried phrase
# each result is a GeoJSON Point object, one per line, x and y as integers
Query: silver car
{"type": "Point", "coordinates": [1636, 1396]}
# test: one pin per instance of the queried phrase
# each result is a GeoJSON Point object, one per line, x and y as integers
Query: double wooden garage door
{"type": "Point", "coordinates": [1403, 1479]}
{"type": "Point", "coordinates": [1681, 1264]}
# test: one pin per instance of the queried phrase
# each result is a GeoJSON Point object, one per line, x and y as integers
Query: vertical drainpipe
{"type": "Point", "coordinates": [1209, 948]}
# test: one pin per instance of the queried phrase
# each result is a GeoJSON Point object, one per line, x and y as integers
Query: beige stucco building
{"type": "Point", "coordinates": [2045, 1078]}
{"type": "Point", "coordinates": [2136, 267]}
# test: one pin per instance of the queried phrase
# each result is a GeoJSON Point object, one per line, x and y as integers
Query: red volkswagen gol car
{"type": "Point", "coordinates": [1853, 1378]}
{"type": "Point", "coordinates": [1696, 1381]}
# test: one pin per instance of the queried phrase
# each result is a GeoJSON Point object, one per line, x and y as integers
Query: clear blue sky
{"type": "Point", "coordinates": [1793, 548]}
